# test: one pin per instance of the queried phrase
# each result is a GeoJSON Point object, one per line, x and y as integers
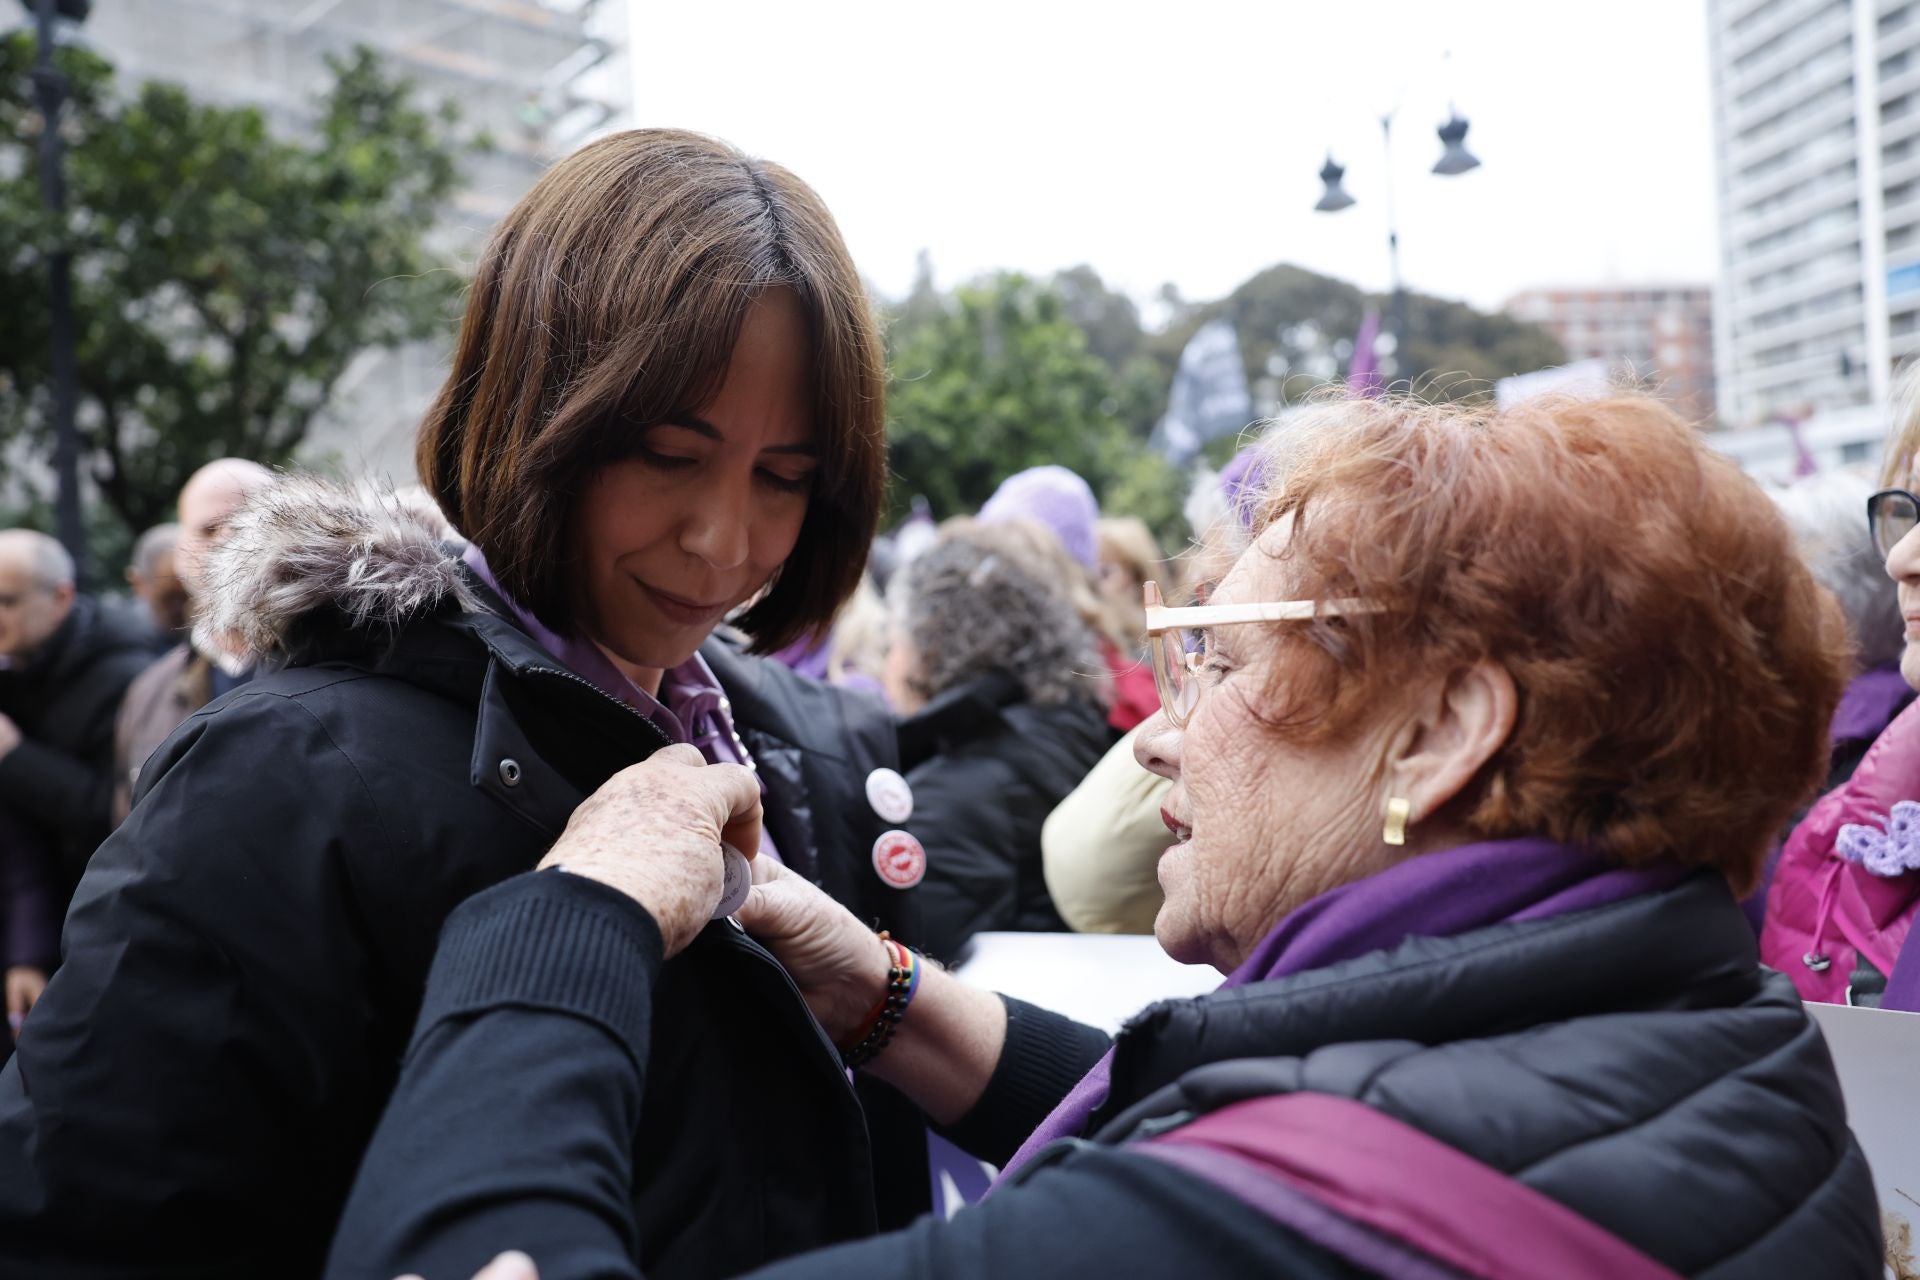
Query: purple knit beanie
{"type": "Point", "coordinates": [1242, 481]}
{"type": "Point", "coordinates": [1058, 499]}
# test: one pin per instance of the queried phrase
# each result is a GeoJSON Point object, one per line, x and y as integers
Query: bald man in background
{"type": "Point", "coordinates": [156, 584]}
{"type": "Point", "coordinates": [184, 680]}
{"type": "Point", "coordinates": [68, 663]}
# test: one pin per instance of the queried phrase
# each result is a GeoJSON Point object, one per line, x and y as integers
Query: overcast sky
{"type": "Point", "coordinates": [1180, 141]}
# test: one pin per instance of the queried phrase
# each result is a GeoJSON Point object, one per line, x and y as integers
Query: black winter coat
{"type": "Point", "coordinates": [1632, 1062]}
{"type": "Point", "coordinates": [517, 1025]}
{"type": "Point", "coordinates": [245, 957]}
{"type": "Point", "coordinates": [987, 767]}
{"type": "Point", "coordinates": [60, 779]}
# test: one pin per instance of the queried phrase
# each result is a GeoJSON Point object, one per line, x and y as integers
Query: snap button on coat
{"type": "Point", "coordinates": [510, 772]}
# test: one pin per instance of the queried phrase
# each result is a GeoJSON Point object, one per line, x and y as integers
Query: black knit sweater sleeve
{"type": "Point", "coordinates": [512, 1125]}
{"type": "Point", "coordinates": [513, 1120]}
{"type": "Point", "coordinates": [1045, 1056]}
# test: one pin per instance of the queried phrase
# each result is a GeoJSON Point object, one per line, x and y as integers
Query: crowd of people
{"type": "Point", "coordinates": [558, 869]}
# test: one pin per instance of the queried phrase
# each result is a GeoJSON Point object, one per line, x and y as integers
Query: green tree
{"type": "Point", "coordinates": [1111, 321]}
{"type": "Point", "coordinates": [923, 305]}
{"type": "Point", "coordinates": [1296, 331]}
{"type": "Point", "coordinates": [223, 278]}
{"type": "Point", "coordinates": [1108, 317]}
{"type": "Point", "coordinates": [1000, 378]}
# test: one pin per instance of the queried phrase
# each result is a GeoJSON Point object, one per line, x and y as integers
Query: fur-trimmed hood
{"type": "Point", "coordinates": [304, 548]}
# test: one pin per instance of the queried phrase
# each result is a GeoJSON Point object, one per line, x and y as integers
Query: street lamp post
{"type": "Point", "coordinates": [50, 87]}
{"type": "Point", "coordinates": [1454, 159]}
{"type": "Point", "coordinates": [1393, 232]}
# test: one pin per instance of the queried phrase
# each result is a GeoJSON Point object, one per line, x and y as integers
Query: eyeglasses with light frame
{"type": "Point", "coordinates": [1177, 639]}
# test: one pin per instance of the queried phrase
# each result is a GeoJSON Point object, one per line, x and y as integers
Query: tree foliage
{"type": "Point", "coordinates": [1111, 321]}
{"type": "Point", "coordinates": [1009, 372]}
{"type": "Point", "coordinates": [1296, 330]}
{"type": "Point", "coordinates": [999, 378]}
{"type": "Point", "coordinates": [223, 277]}
{"type": "Point", "coordinates": [1109, 318]}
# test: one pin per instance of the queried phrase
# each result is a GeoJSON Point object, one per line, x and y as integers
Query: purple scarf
{"type": "Point", "coordinates": [1435, 895]}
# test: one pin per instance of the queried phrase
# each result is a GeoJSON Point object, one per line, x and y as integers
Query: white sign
{"type": "Point", "coordinates": [1104, 979]}
{"type": "Point", "coordinates": [1209, 397]}
{"type": "Point", "coordinates": [1101, 979]}
{"type": "Point", "coordinates": [1875, 1050]}
{"type": "Point", "coordinates": [1586, 379]}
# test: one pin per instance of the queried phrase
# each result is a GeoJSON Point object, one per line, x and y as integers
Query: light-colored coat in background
{"type": "Point", "coordinates": [1101, 847]}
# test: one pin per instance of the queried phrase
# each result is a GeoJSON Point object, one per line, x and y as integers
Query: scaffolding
{"type": "Point", "coordinates": [539, 77]}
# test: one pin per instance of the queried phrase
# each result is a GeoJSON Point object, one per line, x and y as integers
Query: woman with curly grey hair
{"type": "Point", "coordinates": [996, 679]}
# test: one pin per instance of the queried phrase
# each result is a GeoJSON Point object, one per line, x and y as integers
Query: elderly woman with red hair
{"type": "Point", "coordinates": [1472, 752]}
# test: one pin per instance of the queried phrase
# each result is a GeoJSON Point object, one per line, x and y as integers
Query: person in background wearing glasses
{"type": "Point", "coordinates": [1846, 890]}
{"type": "Point", "coordinates": [1823, 511]}
{"type": "Point", "coordinates": [1471, 751]}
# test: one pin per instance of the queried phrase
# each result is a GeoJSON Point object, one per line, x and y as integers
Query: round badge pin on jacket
{"type": "Point", "coordinates": [890, 796]}
{"type": "Point", "coordinates": [737, 879]}
{"type": "Point", "coordinates": [899, 859]}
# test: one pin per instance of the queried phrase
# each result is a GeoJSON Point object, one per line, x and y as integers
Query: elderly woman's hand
{"type": "Point", "coordinates": [946, 1047]}
{"type": "Point", "coordinates": [654, 832]}
{"type": "Point", "coordinates": [838, 964]}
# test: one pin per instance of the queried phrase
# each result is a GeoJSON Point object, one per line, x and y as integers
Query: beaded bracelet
{"type": "Point", "coordinates": [903, 983]}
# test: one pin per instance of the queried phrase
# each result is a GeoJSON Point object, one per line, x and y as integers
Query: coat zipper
{"type": "Point", "coordinates": [604, 696]}
{"type": "Point", "coordinates": [761, 955]}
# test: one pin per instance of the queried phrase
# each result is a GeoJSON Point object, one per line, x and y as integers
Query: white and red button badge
{"type": "Point", "coordinates": [890, 796]}
{"type": "Point", "coordinates": [898, 858]}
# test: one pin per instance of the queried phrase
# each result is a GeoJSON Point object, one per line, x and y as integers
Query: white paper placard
{"type": "Point", "coordinates": [1104, 979]}
{"type": "Point", "coordinates": [1876, 1052]}
{"type": "Point", "coordinates": [1098, 978]}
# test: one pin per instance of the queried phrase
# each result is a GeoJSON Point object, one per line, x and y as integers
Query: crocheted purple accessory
{"type": "Point", "coordinates": [1891, 852]}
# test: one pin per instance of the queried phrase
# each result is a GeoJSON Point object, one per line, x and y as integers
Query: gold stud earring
{"type": "Point", "coordinates": [1398, 811]}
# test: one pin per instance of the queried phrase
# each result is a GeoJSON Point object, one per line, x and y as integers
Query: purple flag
{"type": "Point", "coordinates": [1804, 463]}
{"type": "Point", "coordinates": [1363, 374]}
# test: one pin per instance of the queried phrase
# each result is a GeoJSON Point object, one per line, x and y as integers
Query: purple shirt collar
{"type": "Point", "coordinates": [807, 655]}
{"type": "Point", "coordinates": [584, 658]}
{"type": "Point", "coordinates": [692, 706]}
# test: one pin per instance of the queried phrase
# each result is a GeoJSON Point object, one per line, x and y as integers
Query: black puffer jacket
{"type": "Point", "coordinates": [1631, 1062]}
{"type": "Point", "coordinates": [986, 767]}
{"type": "Point", "coordinates": [245, 957]}
{"type": "Point", "coordinates": [60, 779]}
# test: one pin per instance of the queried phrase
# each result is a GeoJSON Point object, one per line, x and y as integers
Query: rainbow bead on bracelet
{"type": "Point", "coordinates": [903, 983]}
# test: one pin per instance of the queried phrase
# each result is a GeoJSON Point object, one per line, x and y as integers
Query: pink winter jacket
{"type": "Point", "coordinates": [1826, 911]}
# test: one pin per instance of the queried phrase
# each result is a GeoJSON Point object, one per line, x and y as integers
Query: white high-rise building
{"type": "Point", "coordinates": [539, 76]}
{"type": "Point", "coordinates": [1817, 122]}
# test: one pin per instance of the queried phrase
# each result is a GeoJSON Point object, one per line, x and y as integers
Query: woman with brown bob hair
{"type": "Point", "coordinates": [1471, 751]}
{"type": "Point", "coordinates": [665, 411]}
{"type": "Point", "coordinates": [605, 313]}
